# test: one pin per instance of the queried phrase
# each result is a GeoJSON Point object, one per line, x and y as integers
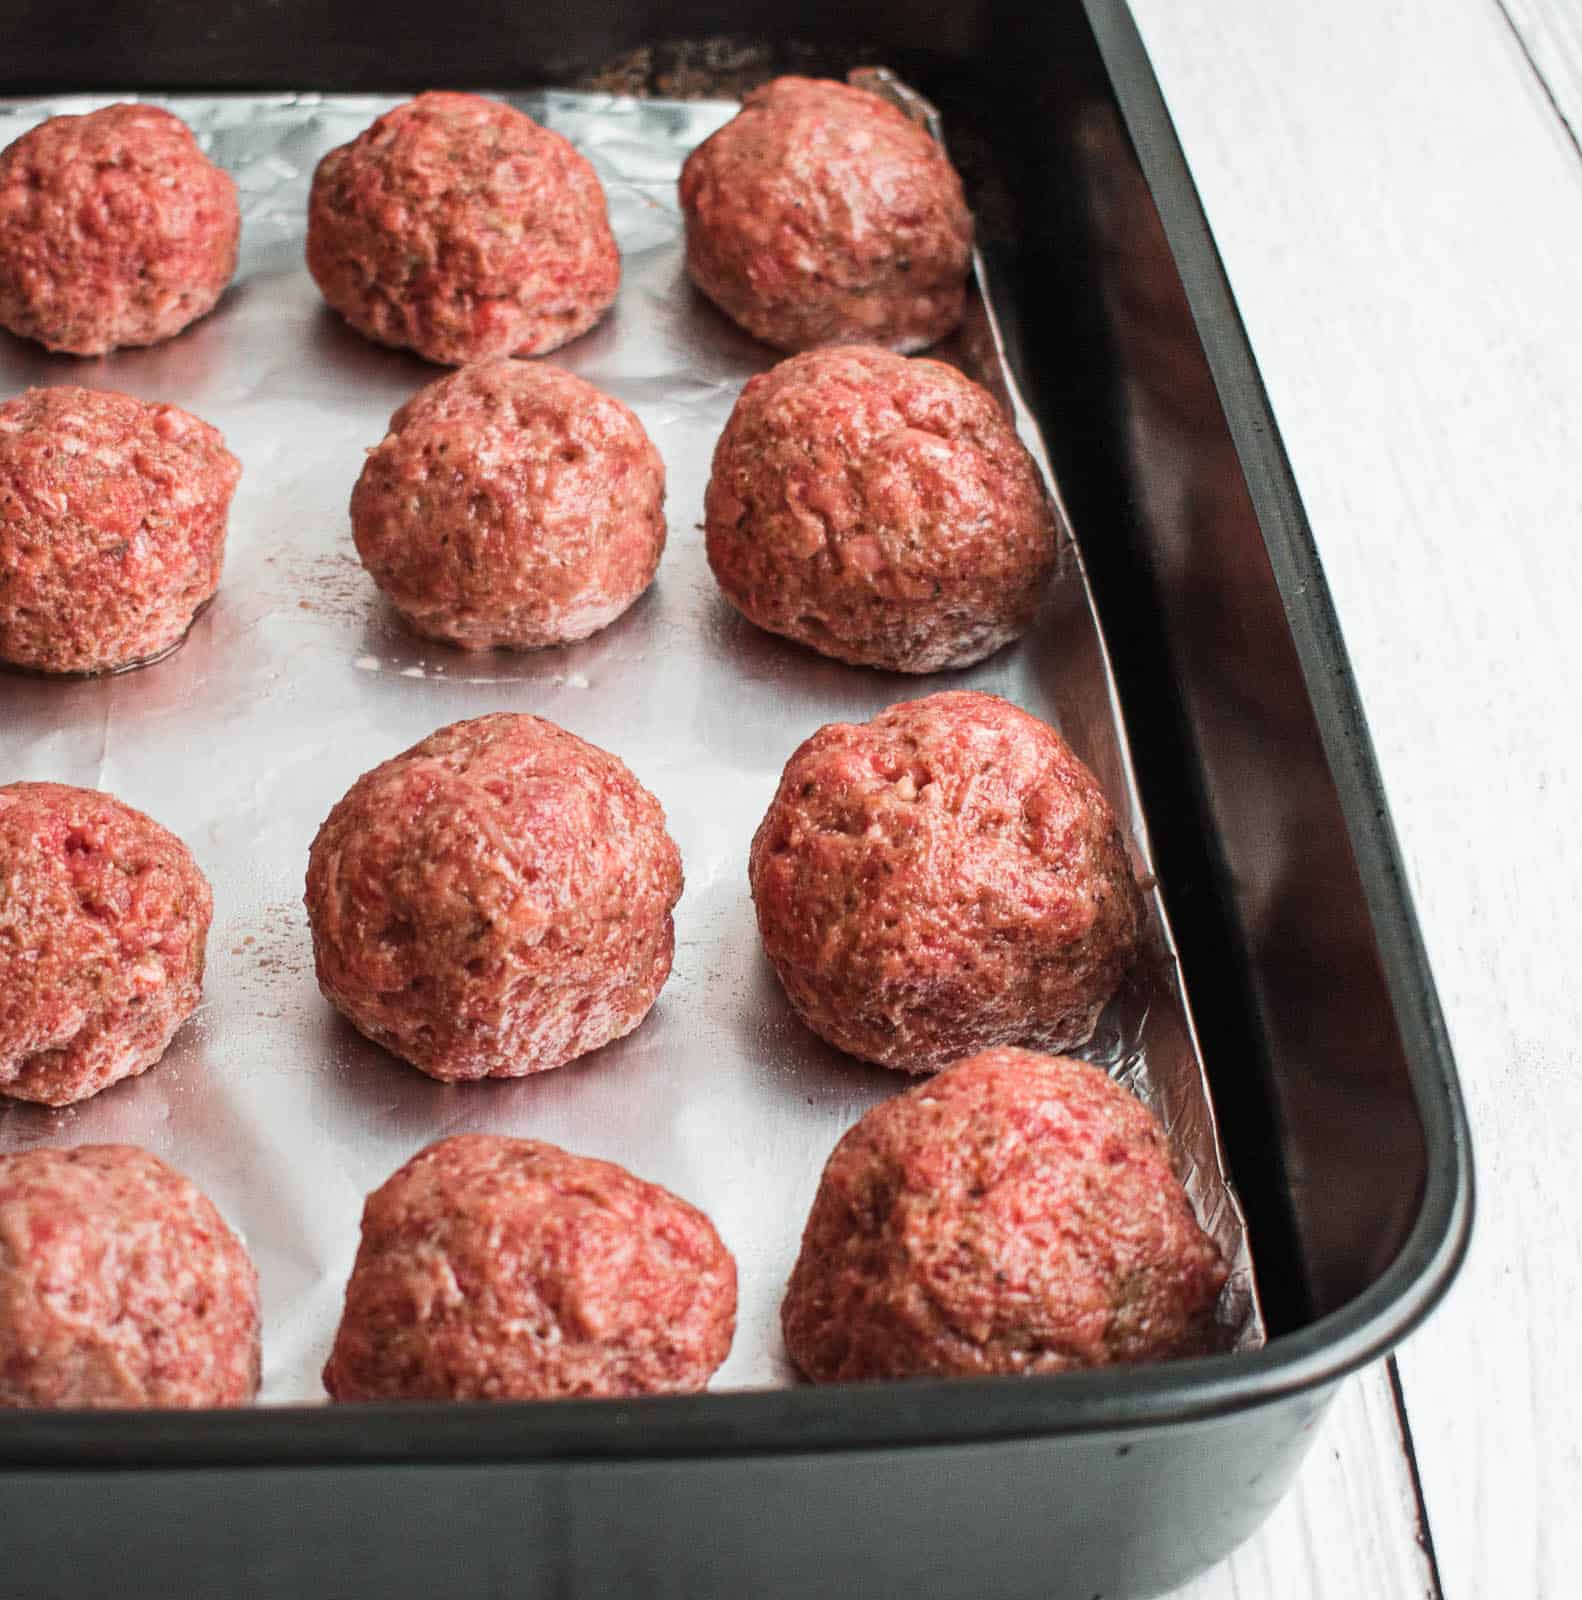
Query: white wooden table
{"type": "Point", "coordinates": [1396, 189]}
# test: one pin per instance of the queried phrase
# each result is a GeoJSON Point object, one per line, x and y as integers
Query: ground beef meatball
{"type": "Point", "coordinates": [104, 920]}
{"type": "Point", "coordinates": [511, 504]}
{"type": "Point", "coordinates": [821, 214]}
{"type": "Point", "coordinates": [1017, 1214]}
{"type": "Point", "coordinates": [507, 1269]}
{"type": "Point", "coordinates": [946, 877]}
{"type": "Point", "coordinates": [120, 1285]}
{"type": "Point", "coordinates": [879, 509]}
{"type": "Point", "coordinates": [112, 527]}
{"type": "Point", "coordinates": [457, 227]}
{"type": "Point", "coordinates": [495, 901]}
{"type": "Point", "coordinates": [115, 229]}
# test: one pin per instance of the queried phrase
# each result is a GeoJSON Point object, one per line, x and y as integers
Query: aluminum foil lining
{"type": "Point", "coordinates": [298, 678]}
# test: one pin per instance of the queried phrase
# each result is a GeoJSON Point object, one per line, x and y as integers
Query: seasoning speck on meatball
{"type": "Point", "coordinates": [879, 509]}
{"type": "Point", "coordinates": [1016, 1214]}
{"type": "Point", "coordinates": [495, 901]}
{"type": "Point", "coordinates": [104, 921]}
{"type": "Point", "coordinates": [120, 1286]}
{"type": "Point", "coordinates": [946, 877]}
{"type": "Point", "coordinates": [508, 1269]}
{"type": "Point", "coordinates": [115, 230]}
{"type": "Point", "coordinates": [822, 214]}
{"type": "Point", "coordinates": [511, 504]}
{"type": "Point", "coordinates": [112, 527]}
{"type": "Point", "coordinates": [459, 228]}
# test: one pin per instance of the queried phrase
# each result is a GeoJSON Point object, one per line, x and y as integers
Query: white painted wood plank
{"type": "Point", "coordinates": [1401, 215]}
{"type": "Point", "coordinates": [1348, 1528]}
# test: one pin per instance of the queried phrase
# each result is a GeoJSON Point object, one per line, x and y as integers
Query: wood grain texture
{"type": "Point", "coordinates": [1550, 32]}
{"type": "Point", "coordinates": [1348, 1528]}
{"type": "Point", "coordinates": [1399, 205]}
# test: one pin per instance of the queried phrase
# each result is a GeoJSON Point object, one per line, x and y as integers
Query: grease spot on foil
{"type": "Point", "coordinates": [270, 954]}
{"type": "Point", "coordinates": [330, 584]}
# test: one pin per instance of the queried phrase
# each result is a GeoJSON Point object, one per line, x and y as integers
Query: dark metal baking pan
{"type": "Point", "coordinates": [1330, 1067]}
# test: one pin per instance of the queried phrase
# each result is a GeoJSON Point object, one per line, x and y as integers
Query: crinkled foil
{"type": "Point", "coordinates": [298, 678]}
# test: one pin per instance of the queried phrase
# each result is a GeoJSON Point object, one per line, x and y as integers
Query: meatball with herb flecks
{"type": "Point", "coordinates": [822, 214]}
{"type": "Point", "coordinates": [115, 230]}
{"type": "Point", "coordinates": [120, 1286]}
{"type": "Point", "coordinates": [495, 901]}
{"type": "Point", "coordinates": [113, 515]}
{"type": "Point", "coordinates": [104, 922]}
{"type": "Point", "coordinates": [511, 505]}
{"type": "Point", "coordinates": [879, 510]}
{"type": "Point", "coordinates": [944, 878]}
{"type": "Point", "coordinates": [457, 227]}
{"type": "Point", "coordinates": [494, 1268]}
{"type": "Point", "coordinates": [1016, 1214]}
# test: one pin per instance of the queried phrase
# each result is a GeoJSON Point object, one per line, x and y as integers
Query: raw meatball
{"type": "Point", "coordinates": [881, 510]}
{"type": "Point", "coordinates": [1018, 1214]}
{"type": "Point", "coordinates": [120, 1285]}
{"type": "Point", "coordinates": [104, 921]}
{"type": "Point", "coordinates": [507, 1269]}
{"type": "Point", "coordinates": [821, 214]}
{"type": "Point", "coordinates": [457, 227]}
{"type": "Point", "coordinates": [112, 527]}
{"type": "Point", "coordinates": [495, 901]}
{"type": "Point", "coordinates": [946, 877]}
{"type": "Point", "coordinates": [511, 504]}
{"type": "Point", "coordinates": [115, 229]}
